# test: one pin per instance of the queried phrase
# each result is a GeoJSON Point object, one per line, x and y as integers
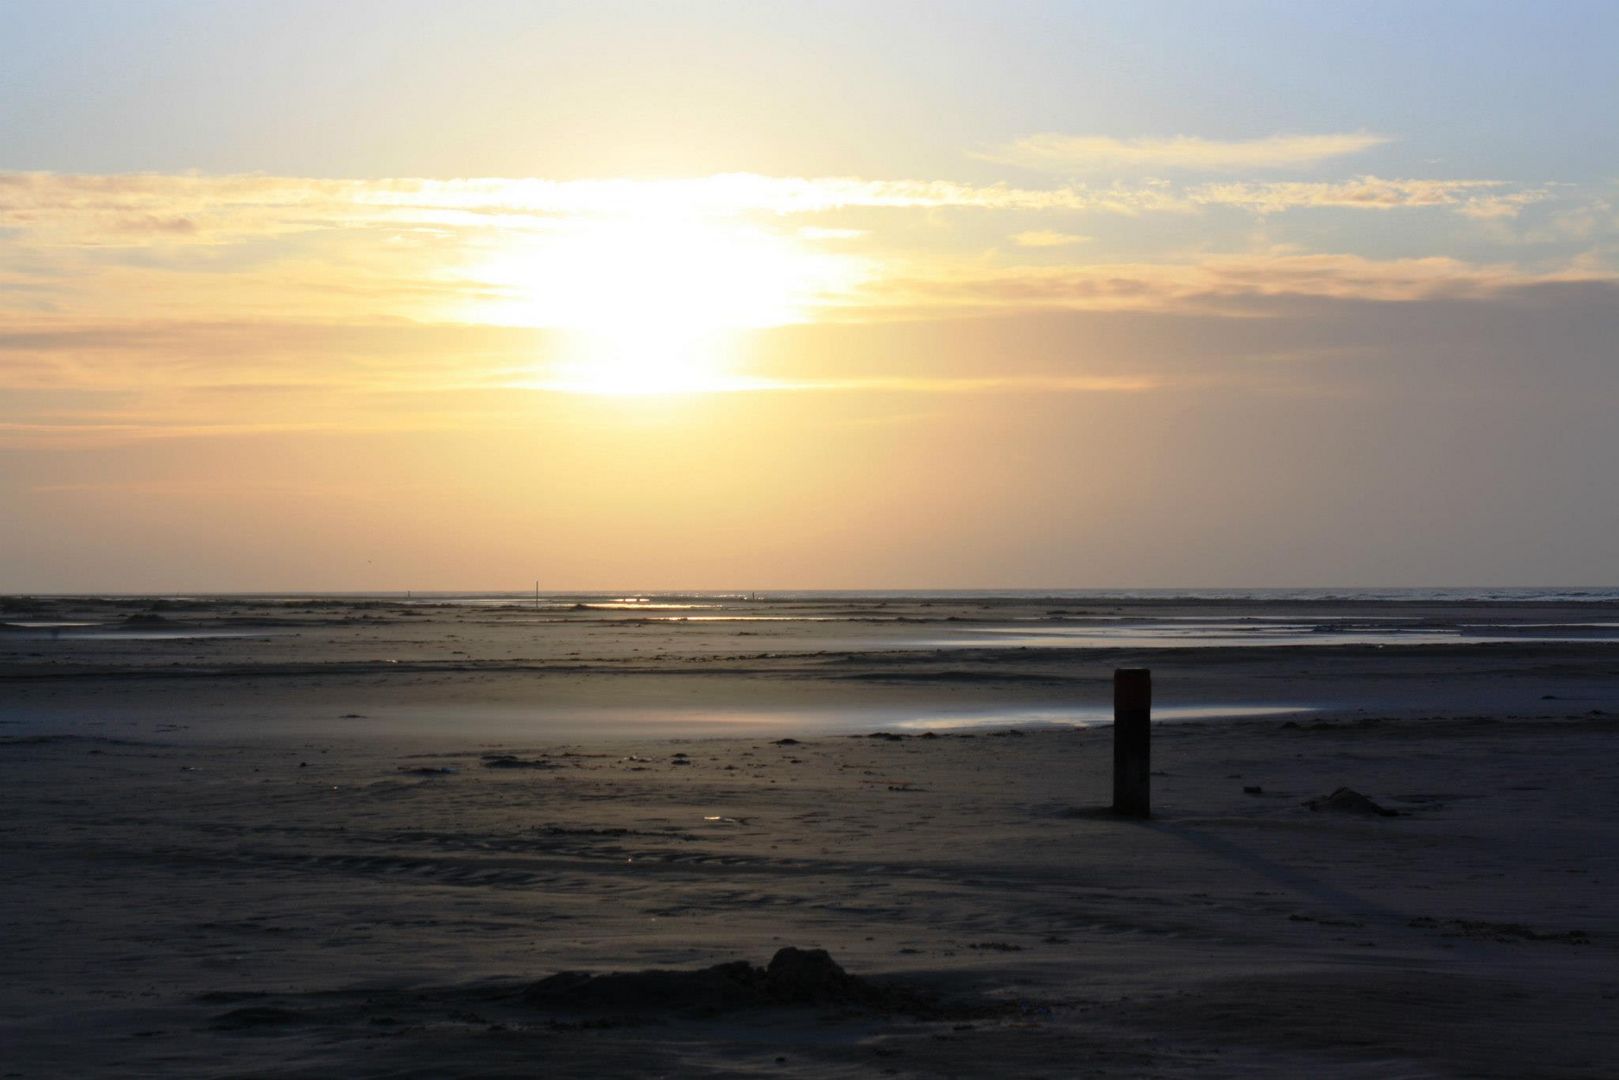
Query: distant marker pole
{"type": "Point", "coordinates": [1132, 742]}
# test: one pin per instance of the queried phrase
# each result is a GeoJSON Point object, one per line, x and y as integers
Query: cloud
{"type": "Point", "coordinates": [259, 358]}
{"type": "Point", "coordinates": [1045, 238]}
{"type": "Point", "coordinates": [163, 215]}
{"type": "Point", "coordinates": [87, 433]}
{"type": "Point", "coordinates": [231, 488]}
{"type": "Point", "coordinates": [142, 306]}
{"type": "Point", "coordinates": [1116, 328]}
{"type": "Point", "coordinates": [1052, 152]}
{"type": "Point", "coordinates": [1368, 193]}
{"type": "Point", "coordinates": [910, 384]}
{"type": "Point", "coordinates": [818, 232]}
{"type": "Point", "coordinates": [1496, 207]}
{"type": "Point", "coordinates": [140, 209]}
{"type": "Point", "coordinates": [1222, 284]}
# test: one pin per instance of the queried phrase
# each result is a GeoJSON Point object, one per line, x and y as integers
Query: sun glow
{"type": "Point", "coordinates": [656, 305]}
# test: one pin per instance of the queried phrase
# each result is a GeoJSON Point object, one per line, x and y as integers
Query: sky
{"type": "Point", "coordinates": [409, 295]}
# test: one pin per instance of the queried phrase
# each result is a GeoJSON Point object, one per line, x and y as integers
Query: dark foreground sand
{"type": "Point", "coordinates": [207, 888]}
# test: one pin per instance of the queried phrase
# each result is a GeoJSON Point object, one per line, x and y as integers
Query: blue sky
{"type": "Point", "coordinates": [1513, 90]}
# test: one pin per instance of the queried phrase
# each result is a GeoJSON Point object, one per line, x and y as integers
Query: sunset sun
{"type": "Point", "coordinates": [653, 304]}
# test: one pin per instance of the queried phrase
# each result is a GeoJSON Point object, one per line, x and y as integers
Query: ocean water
{"type": "Point", "coordinates": [903, 619]}
{"type": "Point", "coordinates": [669, 598]}
{"type": "Point", "coordinates": [464, 661]}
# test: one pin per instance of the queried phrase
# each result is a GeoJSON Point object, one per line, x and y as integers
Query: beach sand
{"type": "Point", "coordinates": [346, 850]}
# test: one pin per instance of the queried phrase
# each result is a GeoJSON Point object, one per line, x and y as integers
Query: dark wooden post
{"type": "Point", "coordinates": [1132, 741]}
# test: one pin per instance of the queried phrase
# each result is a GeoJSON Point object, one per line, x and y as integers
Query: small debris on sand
{"type": "Point", "coordinates": [1349, 801]}
{"type": "Point", "coordinates": [512, 761]}
{"type": "Point", "coordinates": [1506, 933]}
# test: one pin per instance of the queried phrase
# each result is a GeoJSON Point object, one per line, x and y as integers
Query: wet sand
{"type": "Point", "coordinates": [348, 846]}
{"type": "Point", "coordinates": [241, 667]}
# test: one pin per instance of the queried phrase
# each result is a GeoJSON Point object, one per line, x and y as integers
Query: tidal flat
{"type": "Point", "coordinates": [357, 836]}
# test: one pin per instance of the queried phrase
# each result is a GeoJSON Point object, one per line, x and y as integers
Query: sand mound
{"type": "Point", "coordinates": [1349, 801]}
{"type": "Point", "coordinates": [793, 977]}
{"type": "Point", "coordinates": [256, 1016]}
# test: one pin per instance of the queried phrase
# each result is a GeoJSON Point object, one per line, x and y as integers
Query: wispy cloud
{"type": "Point", "coordinates": [159, 306]}
{"type": "Point", "coordinates": [154, 212]}
{"type": "Point", "coordinates": [109, 250]}
{"type": "Point", "coordinates": [1053, 152]}
{"type": "Point", "coordinates": [913, 384]}
{"type": "Point", "coordinates": [229, 489]}
{"type": "Point", "coordinates": [1504, 205]}
{"type": "Point", "coordinates": [1225, 284]}
{"type": "Point", "coordinates": [66, 386]}
{"type": "Point", "coordinates": [1476, 198]}
{"type": "Point", "coordinates": [145, 209]}
{"type": "Point", "coordinates": [1047, 238]}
